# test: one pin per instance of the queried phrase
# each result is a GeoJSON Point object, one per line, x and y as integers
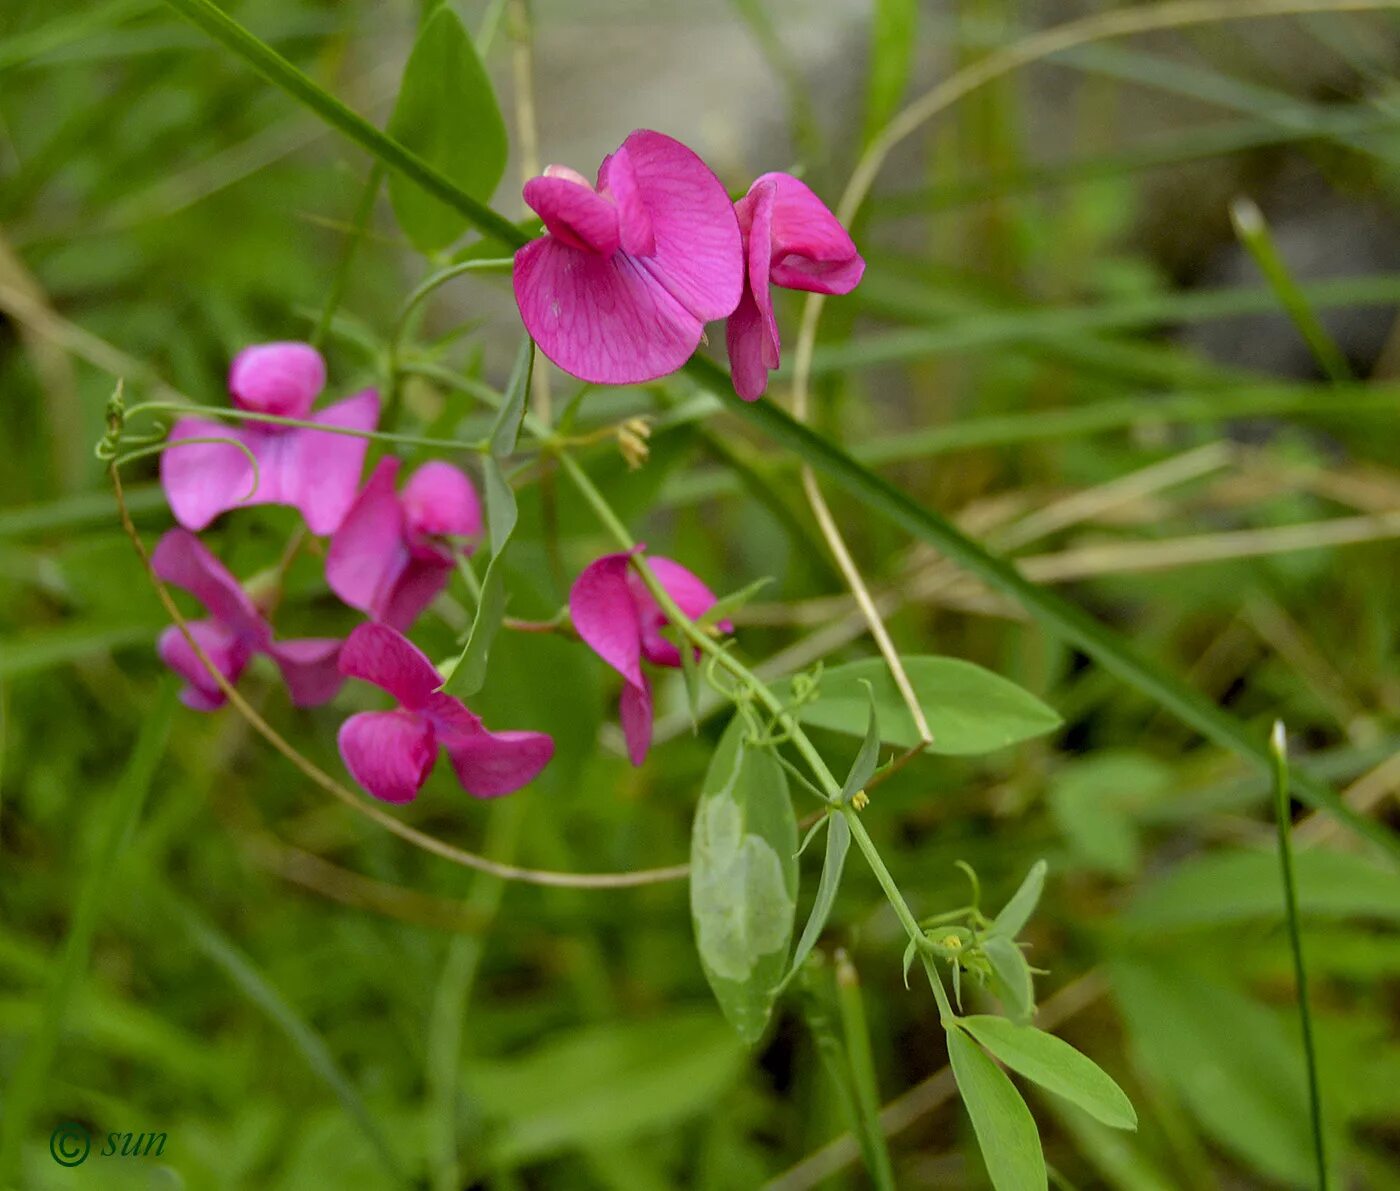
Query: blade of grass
{"type": "Point", "coordinates": [221, 951]}
{"type": "Point", "coordinates": [122, 812]}
{"type": "Point", "coordinates": [1278, 752]}
{"type": "Point", "coordinates": [1063, 618]}
{"type": "Point", "coordinates": [862, 1063]}
{"type": "Point", "coordinates": [281, 73]}
{"type": "Point", "coordinates": [1253, 232]}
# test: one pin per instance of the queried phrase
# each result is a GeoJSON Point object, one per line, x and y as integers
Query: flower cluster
{"type": "Point", "coordinates": [631, 269]}
{"type": "Point", "coordinates": [390, 553]}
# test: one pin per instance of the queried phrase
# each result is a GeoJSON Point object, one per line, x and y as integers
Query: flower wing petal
{"type": "Point", "coordinates": [203, 479]}
{"type": "Point", "coordinates": [385, 657]}
{"type": "Point", "coordinates": [691, 596]}
{"type": "Point", "coordinates": [229, 655]}
{"type": "Point", "coordinates": [487, 763]}
{"type": "Point", "coordinates": [634, 709]}
{"type": "Point", "coordinates": [605, 615]}
{"type": "Point", "coordinates": [309, 668]}
{"type": "Point", "coordinates": [182, 559]}
{"type": "Point", "coordinates": [575, 213]}
{"type": "Point", "coordinates": [811, 250]}
{"type": "Point", "coordinates": [320, 472]}
{"type": "Point", "coordinates": [368, 552]}
{"type": "Point", "coordinates": [390, 753]}
{"type": "Point", "coordinates": [440, 499]}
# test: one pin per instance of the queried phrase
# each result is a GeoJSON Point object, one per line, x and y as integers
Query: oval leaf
{"type": "Point", "coordinates": [1011, 976]}
{"type": "Point", "coordinates": [1056, 1066]}
{"type": "Point", "coordinates": [743, 880]}
{"type": "Point", "coordinates": [970, 710]}
{"type": "Point", "coordinates": [447, 114]}
{"type": "Point", "coordinates": [1004, 1126]}
{"type": "Point", "coordinates": [1017, 912]}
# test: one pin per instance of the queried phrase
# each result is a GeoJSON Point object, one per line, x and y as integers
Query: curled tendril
{"type": "Point", "coordinates": [158, 447]}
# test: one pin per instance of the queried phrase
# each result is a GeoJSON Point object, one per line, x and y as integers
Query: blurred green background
{"type": "Point", "coordinates": [1060, 343]}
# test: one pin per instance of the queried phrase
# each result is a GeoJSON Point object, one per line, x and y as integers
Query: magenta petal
{"type": "Point", "coordinates": [281, 379]}
{"type": "Point", "coordinates": [424, 575]}
{"type": "Point", "coordinates": [390, 753]}
{"type": "Point", "coordinates": [691, 596]}
{"type": "Point", "coordinates": [309, 668]}
{"type": "Point", "coordinates": [574, 212]}
{"type": "Point", "coordinates": [811, 250]}
{"type": "Point", "coordinates": [182, 559]}
{"type": "Point", "coordinates": [698, 254]}
{"type": "Point", "coordinates": [368, 552]}
{"type": "Point", "coordinates": [745, 338]}
{"type": "Point", "coordinates": [228, 654]}
{"type": "Point", "coordinates": [204, 479]}
{"type": "Point", "coordinates": [319, 473]}
{"type": "Point", "coordinates": [760, 251]}
{"type": "Point", "coordinates": [439, 499]}
{"type": "Point", "coordinates": [605, 616]}
{"type": "Point", "coordinates": [606, 321]}
{"type": "Point", "coordinates": [385, 657]}
{"type": "Point", "coordinates": [618, 178]}
{"type": "Point", "coordinates": [634, 709]}
{"type": "Point", "coordinates": [487, 763]}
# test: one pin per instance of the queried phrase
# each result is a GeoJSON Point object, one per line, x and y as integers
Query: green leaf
{"type": "Point", "coordinates": [892, 44]}
{"type": "Point", "coordinates": [1225, 888]}
{"type": "Point", "coordinates": [743, 880]}
{"type": "Point", "coordinates": [398, 157]}
{"type": "Point", "coordinates": [1095, 802]}
{"type": "Point", "coordinates": [1017, 912]}
{"type": "Point", "coordinates": [1056, 1066]}
{"type": "Point", "coordinates": [466, 676]}
{"type": "Point", "coordinates": [863, 768]}
{"type": "Point", "coordinates": [1004, 1126]}
{"type": "Point", "coordinates": [447, 114]}
{"type": "Point", "coordinates": [1065, 619]}
{"type": "Point", "coordinates": [501, 508]}
{"type": "Point", "coordinates": [1011, 977]}
{"type": "Point", "coordinates": [971, 710]}
{"type": "Point", "coordinates": [506, 428]}
{"type": "Point", "coordinates": [727, 605]}
{"type": "Point", "coordinates": [838, 843]}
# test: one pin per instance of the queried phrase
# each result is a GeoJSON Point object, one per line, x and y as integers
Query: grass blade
{"type": "Point", "coordinates": [1278, 751]}
{"type": "Point", "coordinates": [862, 1063]}
{"type": "Point", "coordinates": [123, 810]}
{"type": "Point", "coordinates": [281, 73]}
{"type": "Point", "coordinates": [254, 985]}
{"type": "Point", "coordinates": [1067, 620]}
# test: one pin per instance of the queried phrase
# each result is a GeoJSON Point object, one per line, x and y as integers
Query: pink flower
{"type": "Point", "coordinates": [234, 631]}
{"type": "Point", "coordinates": [791, 240]}
{"type": "Point", "coordinates": [391, 753]}
{"type": "Point", "coordinates": [311, 470]}
{"type": "Point", "coordinates": [620, 289]}
{"type": "Point", "coordinates": [619, 620]}
{"type": "Point", "coordinates": [387, 557]}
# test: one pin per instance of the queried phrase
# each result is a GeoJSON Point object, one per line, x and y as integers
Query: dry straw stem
{"type": "Point", "coordinates": [1038, 46]}
{"type": "Point", "coordinates": [506, 872]}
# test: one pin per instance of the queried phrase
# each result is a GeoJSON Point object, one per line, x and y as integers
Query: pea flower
{"type": "Point", "coordinates": [391, 753]}
{"type": "Point", "coordinates": [233, 632]}
{"type": "Point", "coordinates": [619, 290]}
{"type": "Point", "coordinates": [388, 557]}
{"type": "Point", "coordinates": [618, 618]}
{"type": "Point", "coordinates": [791, 239]}
{"type": "Point", "coordinates": [314, 471]}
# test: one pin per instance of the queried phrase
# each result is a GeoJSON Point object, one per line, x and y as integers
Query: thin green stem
{"type": "Point", "coordinates": [244, 415]}
{"type": "Point", "coordinates": [281, 73]}
{"type": "Point", "coordinates": [851, 1010]}
{"type": "Point", "coordinates": [1278, 750]}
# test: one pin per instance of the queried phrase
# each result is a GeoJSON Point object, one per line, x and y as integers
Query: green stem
{"type": "Point", "coordinates": [281, 73]}
{"type": "Point", "coordinates": [244, 415]}
{"type": "Point", "coordinates": [1278, 750]}
{"type": "Point", "coordinates": [862, 1065]}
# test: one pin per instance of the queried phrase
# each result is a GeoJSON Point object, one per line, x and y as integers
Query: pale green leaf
{"type": "Point", "coordinates": [1004, 1126]}
{"type": "Point", "coordinates": [1017, 912]}
{"type": "Point", "coordinates": [1056, 1066]}
{"type": "Point", "coordinates": [969, 709]}
{"type": "Point", "coordinates": [447, 114]}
